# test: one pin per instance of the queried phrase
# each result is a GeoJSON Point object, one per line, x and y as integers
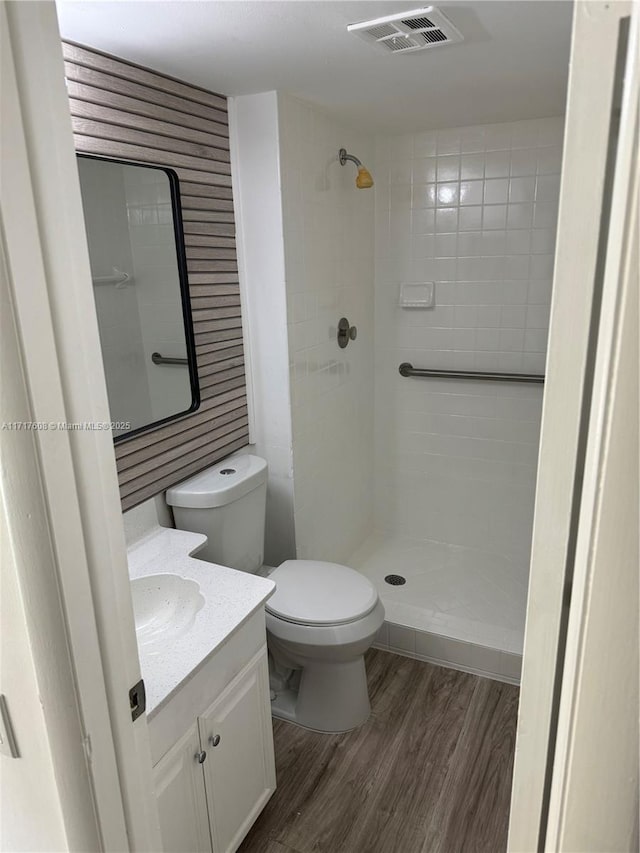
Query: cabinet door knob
{"type": "Point", "coordinates": [214, 740]}
{"type": "Point", "coordinates": [201, 757]}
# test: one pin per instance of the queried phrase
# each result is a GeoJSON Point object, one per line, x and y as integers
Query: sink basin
{"type": "Point", "coordinates": [164, 607]}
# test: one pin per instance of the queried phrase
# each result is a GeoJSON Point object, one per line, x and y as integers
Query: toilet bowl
{"type": "Point", "coordinates": [320, 620]}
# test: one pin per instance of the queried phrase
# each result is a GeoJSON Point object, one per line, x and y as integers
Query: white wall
{"type": "Point", "coordinates": [473, 209]}
{"type": "Point", "coordinates": [305, 235]}
{"type": "Point", "coordinates": [253, 127]}
{"type": "Point", "coordinates": [329, 262]}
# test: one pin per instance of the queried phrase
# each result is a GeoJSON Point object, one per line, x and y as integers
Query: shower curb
{"type": "Point", "coordinates": [445, 651]}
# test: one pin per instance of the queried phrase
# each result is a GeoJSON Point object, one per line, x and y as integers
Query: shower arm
{"type": "Point", "coordinates": [343, 157]}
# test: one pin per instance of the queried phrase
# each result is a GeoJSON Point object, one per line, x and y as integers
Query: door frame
{"type": "Point", "coordinates": [598, 711]}
{"type": "Point", "coordinates": [63, 376]}
{"type": "Point", "coordinates": [556, 581]}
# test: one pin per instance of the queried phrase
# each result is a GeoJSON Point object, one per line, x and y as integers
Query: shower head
{"type": "Point", "coordinates": [364, 179]}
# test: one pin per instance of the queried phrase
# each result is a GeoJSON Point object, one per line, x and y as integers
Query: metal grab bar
{"type": "Point", "coordinates": [156, 358]}
{"type": "Point", "coordinates": [407, 369]}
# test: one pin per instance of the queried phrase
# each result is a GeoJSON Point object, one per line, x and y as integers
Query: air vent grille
{"type": "Point", "coordinates": [434, 36]}
{"type": "Point", "coordinates": [400, 43]}
{"type": "Point", "coordinates": [418, 23]}
{"type": "Point", "coordinates": [409, 31]}
{"type": "Point", "coordinates": [382, 32]}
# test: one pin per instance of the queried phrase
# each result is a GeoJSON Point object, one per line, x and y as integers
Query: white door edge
{"type": "Point", "coordinates": [602, 730]}
{"type": "Point", "coordinates": [57, 326]}
{"type": "Point", "coordinates": [565, 410]}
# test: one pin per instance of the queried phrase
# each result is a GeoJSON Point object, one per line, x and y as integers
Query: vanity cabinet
{"type": "Point", "coordinates": [239, 770]}
{"type": "Point", "coordinates": [182, 803]}
{"type": "Point", "coordinates": [213, 783]}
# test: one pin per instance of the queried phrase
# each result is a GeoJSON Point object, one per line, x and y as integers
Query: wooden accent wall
{"type": "Point", "coordinates": [127, 112]}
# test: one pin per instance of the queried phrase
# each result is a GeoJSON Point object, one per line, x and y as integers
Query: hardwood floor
{"type": "Point", "coordinates": [430, 771]}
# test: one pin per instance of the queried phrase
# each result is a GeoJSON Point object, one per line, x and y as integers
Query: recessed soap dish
{"type": "Point", "coordinates": [422, 295]}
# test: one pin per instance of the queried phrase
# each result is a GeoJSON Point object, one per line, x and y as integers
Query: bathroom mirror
{"type": "Point", "coordinates": [136, 247]}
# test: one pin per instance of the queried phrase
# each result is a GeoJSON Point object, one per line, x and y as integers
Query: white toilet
{"type": "Point", "coordinates": [322, 617]}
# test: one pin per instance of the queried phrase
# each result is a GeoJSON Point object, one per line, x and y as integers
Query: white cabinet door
{"type": "Point", "coordinates": [182, 804]}
{"type": "Point", "coordinates": [240, 769]}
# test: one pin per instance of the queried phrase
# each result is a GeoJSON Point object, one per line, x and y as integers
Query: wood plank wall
{"type": "Point", "coordinates": [124, 111]}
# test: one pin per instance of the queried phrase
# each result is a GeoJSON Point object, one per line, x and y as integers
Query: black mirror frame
{"type": "Point", "coordinates": [181, 259]}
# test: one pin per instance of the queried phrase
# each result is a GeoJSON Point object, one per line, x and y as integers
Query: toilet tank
{"type": "Point", "coordinates": [227, 503]}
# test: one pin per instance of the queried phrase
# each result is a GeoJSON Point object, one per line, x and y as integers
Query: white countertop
{"type": "Point", "coordinates": [231, 597]}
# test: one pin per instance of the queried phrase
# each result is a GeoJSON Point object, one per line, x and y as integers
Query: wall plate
{"type": "Point", "coordinates": [418, 295]}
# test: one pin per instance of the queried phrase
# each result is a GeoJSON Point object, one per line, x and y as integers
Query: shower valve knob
{"type": "Point", "coordinates": [346, 333]}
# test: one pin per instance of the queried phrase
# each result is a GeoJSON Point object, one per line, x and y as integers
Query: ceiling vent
{"type": "Point", "coordinates": [418, 29]}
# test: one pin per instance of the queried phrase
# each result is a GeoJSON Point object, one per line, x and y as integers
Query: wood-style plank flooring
{"type": "Point", "coordinates": [430, 771]}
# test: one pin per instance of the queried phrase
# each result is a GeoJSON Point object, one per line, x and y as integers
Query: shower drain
{"type": "Point", "coordinates": [395, 580]}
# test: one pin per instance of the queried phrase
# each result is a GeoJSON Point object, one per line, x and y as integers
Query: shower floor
{"type": "Point", "coordinates": [459, 607]}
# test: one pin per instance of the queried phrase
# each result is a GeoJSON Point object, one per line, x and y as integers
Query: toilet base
{"type": "Point", "coordinates": [332, 697]}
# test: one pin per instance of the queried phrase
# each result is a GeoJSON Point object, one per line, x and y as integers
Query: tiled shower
{"type": "Point", "coordinates": [430, 479]}
{"type": "Point", "coordinates": [474, 210]}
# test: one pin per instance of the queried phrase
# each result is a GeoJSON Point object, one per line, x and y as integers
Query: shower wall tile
{"type": "Point", "coordinates": [329, 270]}
{"type": "Point", "coordinates": [473, 209]}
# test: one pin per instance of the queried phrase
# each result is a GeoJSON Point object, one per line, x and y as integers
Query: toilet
{"type": "Point", "coordinates": [320, 620]}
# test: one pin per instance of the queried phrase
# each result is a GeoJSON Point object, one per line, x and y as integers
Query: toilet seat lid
{"type": "Point", "coordinates": [311, 592]}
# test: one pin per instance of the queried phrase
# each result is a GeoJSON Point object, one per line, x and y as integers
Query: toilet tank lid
{"type": "Point", "coordinates": [220, 485]}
